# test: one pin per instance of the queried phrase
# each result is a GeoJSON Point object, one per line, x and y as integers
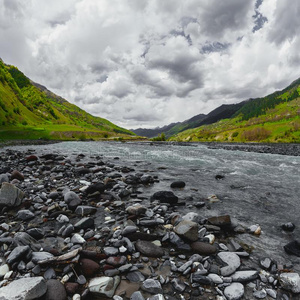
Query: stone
{"type": "Point", "coordinates": [85, 223]}
{"type": "Point", "coordinates": [187, 230]}
{"type": "Point", "coordinates": [293, 248]}
{"type": "Point", "coordinates": [260, 294]}
{"type": "Point", "coordinates": [192, 216]}
{"type": "Point", "coordinates": [55, 290]}
{"type": "Point", "coordinates": [204, 248]}
{"type": "Point", "coordinates": [24, 239]}
{"type": "Point", "coordinates": [231, 262]}
{"type": "Point", "coordinates": [77, 239]}
{"type": "Point", "coordinates": [272, 293]}
{"type": "Point", "coordinates": [165, 197]}
{"type": "Point", "coordinates": [62, 219]}
{"type": "Point", "coordinates": [89, 267]}
{"type": "Point", "coordinates": [290, 282]}
{"type": "Point", "coordinates": [71, 287]}
{"type": "Point", "coordinates": [97, 187]}
{"type": "Point", "coordinates": [221, 221]}
{"type": "Point", "coordinates": [3, 270]}
{"type": "Point", "coordinates": [135, 276]}
{"type": "Point", "coordinates": [31, 158]}
{"type": "Point", "coordinates": [111, 251]}
{"type": "Point", "coordinates": [288, 226]}
{"type": "Point", "coordinates": [104, 286]}
{"type": "Point", "coordinates": [84, 210]}
{"type": "Point", "coordinates": [137, 296]}
{"type": "Point", "coordinates": [136, 210]}
{"type": "Point", "coordinates": [72, 199]}
{"type": "Point", "coordinates": [35, 233]}
{"type": "Point", "coordinates": [265, 263]}
{"type": "Point", "coordinates": [152, 286]}
{"type": "Point", "coordinates": [234, 291]}
{"type": "Point", "coordinates": [68, 230]}
{"type": "Point", "coordinates": [129, 229]}
{"type": "Point", "coordinates": [24, 288]}
{"type": "Point", "coordinates": [50, 274]}
{"type": "Point", "coordinates": [116, 261]}
{"type": "Point", "coordinates": [10, 195]}
{"type": "Point", "coordinates": [40, 256]}
{"type": "Point", "coordinates": [25, 214]}
{"type": "Point", "coordinates": [215, 278]}
{"type": "Point", "coordinates": [178, 184]}
{"type": "Point", "coordinates": [199, 278]}
{"type": "Point", "coordinates": [17, 254]}
{"type": "Point", "coordinates": [149, 249]}
{"type": "Point", "coordinates": [17, 175]}
{"type": "Point", "coordinates": [244, 276]}
{"type": "Point", "coordinates": [3, 178]}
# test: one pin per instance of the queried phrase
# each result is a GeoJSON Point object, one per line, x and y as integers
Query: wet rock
{"type": "Point", "coordinates": [165, 197]}
{"type": "Point", "coordinates": [204, 248]}
{"type": "Point", "coordinates": [97, 187]}
{"type": "Point", "coordinates": [82, 210]}
{"type": "Point", "coordinates": [288, 226]}
{"type": "Point", "coordinates": [17, 175]}
{"type": "Point", "coordinates": [55, 290]}
{"type": "Point", "coordinates": [136, 210]}
{"type": "Point", "coordinates": [152, 286]}
{"type": "Point", "coordinates": [116, 260]}
{"type": "Point", "coordinates": [10, 195]}
{"type": "Point", "coordinates": [85, 223]}
{"type": "Point", "coordinates": [17, 254]}
{"type": "Point", "coordinates": [104, 286]}
{"type": "Point", "coordinates": [178, 184]}
{"type": "Point", "coordinates": [188, 230]}
{"type": "Point", "coordinates": [244, 276]}
{"type": "Point", "coordinates": [149, 249]}
{"type": "Point", "coordinates": [36, 233]}
{"type": "Point", "coordinates": [39, 256]}
{"type": "Point", "coordinates": [67, 230]}
{"type": "Point", "coordinates": [290, 282]}
{"type": "Point", "coordinates": [25, 214]}
{"type": "Point", "coordinates": [234, 291]}
{"type": "Point", "coordinates": [221, 221]}
{"type": "Point", "coordinates": [293, 248]}
{"type": "Point", "coordinates": [231, 262]}
{"type": "Point", "coordinates": [89, 267]}
{"type": "Point", "coordinates": [24, 288]}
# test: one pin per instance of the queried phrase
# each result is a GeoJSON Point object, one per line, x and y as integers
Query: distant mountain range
{"type": "Point", "coordinates": [273, 118]}
{"type": "Point", "coordinates": [30, 111]}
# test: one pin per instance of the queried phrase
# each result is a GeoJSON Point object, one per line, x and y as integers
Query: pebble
{"type": "Point", "coordinates": [234, 291]}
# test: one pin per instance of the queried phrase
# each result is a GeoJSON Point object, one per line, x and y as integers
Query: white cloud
{"type": "Point", "coordinates": [149, 63]}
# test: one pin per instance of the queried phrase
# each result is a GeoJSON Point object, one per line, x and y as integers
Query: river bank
{"type": "Point", "coordinates": [86, 225]}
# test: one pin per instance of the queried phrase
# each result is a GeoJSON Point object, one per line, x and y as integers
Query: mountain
{"type": "Point", "coordinates": [273, 118]}
{"type": "Point", "coordinates": [30, 111]}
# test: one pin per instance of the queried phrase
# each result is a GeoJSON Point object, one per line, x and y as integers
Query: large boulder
{"type": "Point", "coordinates": [10, 195]}
{"type": "Point", "coordinates": [24, 288]}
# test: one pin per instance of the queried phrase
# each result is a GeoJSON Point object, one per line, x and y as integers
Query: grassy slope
{"type": "Point", "coordinates": [30, 111]}
{"type": "Point", "coordinates": [280, 122]}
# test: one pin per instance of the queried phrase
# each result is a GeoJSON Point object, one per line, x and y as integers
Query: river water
{"type": "Point", "coordinates": [257, 188]}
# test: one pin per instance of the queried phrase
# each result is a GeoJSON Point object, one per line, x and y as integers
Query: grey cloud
{"type": "Point", "coordinates": [215, 47]}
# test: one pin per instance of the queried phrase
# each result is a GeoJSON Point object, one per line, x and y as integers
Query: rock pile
{"type": "Point", "coordinates": [80, 228]}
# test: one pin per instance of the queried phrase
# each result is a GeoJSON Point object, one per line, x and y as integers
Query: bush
{"type": "Point", "coordinates": [256, 134]}
{"type": "Point", "coordinates": [235, 134]}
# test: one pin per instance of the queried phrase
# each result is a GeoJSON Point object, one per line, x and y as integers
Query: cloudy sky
{"type": "Point", "coordinates": [152, 62]}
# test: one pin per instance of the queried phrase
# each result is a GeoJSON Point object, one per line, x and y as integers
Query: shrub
{"type": "Point", "coordinates": [235, 134]}
{"type": "Point", "coordinates": [256, 134]}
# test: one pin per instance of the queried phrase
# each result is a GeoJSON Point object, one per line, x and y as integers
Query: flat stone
{"type": "Point", "coordinates": [25, 214]}
{"type": "Point", "coordinates": [231, 262]}
{"type": "Point", "coordinates": [89, 267]}
{"type": "Point", "coordinates": [24, 239]}
{"type": "Point", "coordinates": [266, 263]}
{"type": "Point", "coordinates": [149, 249]}
{"type": "Point", "coordinates": [135, 276]}
{"type": "Point", "coordinates": [199, 278]}
{"type": "Point", "coordinates": [85, 223]}
{"type": "Point", "coordinates": [178, 184]}
{"type": "Point", "coordinates": [290, 282]}
{"type": "Point", "coordinates": [116, 261]}
{"type": "Point", "coordinates": [104, 286]}
{"type": "Point", "coordinates": [84, 210]}
{"type": "Point", "coordinates": [165, 197]}
{"type": "Point", "coordinates": [24, 288]}
{"type": "Point", "coordinates": [244, 276]}
{"type": "Point", "coordinates": [220, 221]}
{"type": "Point", "coordinates": [77, 239]}
{"type": "Point", "coordinates": [111, 251]}
{"type": "Point", "coordinates": [152, 286]}
{"type": "Point", "coordinates": [204, 248]}
{"type": "Point", "coordinates": [235, 291]}
{"type": "Point", "coordinates": [215, 278]}
{"type": "Point", "coordinates": [10, 195]}
{"type": "Point", "coordinates": [17, 254]}
{"type": "Point", "coordinates": [188, 230]}
{"type": "Point", "coordinates": [39, 256]}
{"type": "Point", "coordinates": [136, 210]}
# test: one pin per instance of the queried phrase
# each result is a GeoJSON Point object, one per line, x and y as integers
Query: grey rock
{"type": "Point", "coordinates": [290, 282]}
{"type": "Point", "coordinates": [135, 276]}
{"type": "Point", "coordinates": [3, 270]}
{"type": "Point", "coordinates": [10, 195]}
{"type": "Point", "coordinates": [84, 210]}
{"type": "Point", "coordinates": [25, 289]}
{"type": "Point", "coordinates": [231, 262]}
{"type": "Point", "coordinates": [165, 197]}
{"type": "Point", "coordinates": [104, 286]}
{"type": "Point", "coordinates": [111, 251]}
{"type": "Point", "coordinates": [234, 291]}
{"type": "Point", "coordinates": [136, 210]}
{"type": "Point", "coordinates": [199, 278]}
{"type": "Point", "coordinates": [85, 223]}
{"type": "Point", "coordinates": [3, 178]}
{"type": "Point", "coordinates": [260, 294]}
{"type": "Point", "coordinates": [17, 254]}
{"type": "Point", "coordinates": [24, 239]}
{"type": "Point", "coordinates": [204, 248]}
{"type": "Point", "coordinates": [72, 199]}
{"type": "Point", "coordinates": [39, 256]}
{"type": "Point", "coordinates": [50, 274]}
{"type": "Point", "coordinates": [55, 290]}
{"type": "Point", "coordinates": [137, 296]}
{"type": "Point", "coordinates": [68, 230]}
{"type": "Point", "coordinates": [187, 230]}
{"type": "Point", "coordinates": [77, 239]}
{"type": "Point", "coordinates": [149, 249]}
{"type": "Point", "coordinates": [244, 276]}
{"type": "Point", "coordinates": [192, 216]}
{"type": "Point", "coordinates": [25, 214]}
{"type": "Point", "coordinates": [266, 263]}
{"type": "Point", "coordinates": [129, 229]}
{"type": "Point", "coordinates": [272, 293]}
{"type": "Point", "coordinates": [152, 286]}
{"type": "Point", "coordinates": [215, 278]}
{"type": "Point", "coordinates": [178, 285]}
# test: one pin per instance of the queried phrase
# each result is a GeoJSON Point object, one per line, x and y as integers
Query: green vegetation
{"type": "Point", "coordinates": [160, 138]}
{"type": "Point", "coordinates": [30, 111]}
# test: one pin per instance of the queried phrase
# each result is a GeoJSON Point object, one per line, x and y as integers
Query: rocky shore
{"type": "Point", "coordinates": [82, 227]}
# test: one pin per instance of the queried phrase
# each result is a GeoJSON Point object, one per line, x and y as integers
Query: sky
{"type": "Point", "coordinates": [148, 63]}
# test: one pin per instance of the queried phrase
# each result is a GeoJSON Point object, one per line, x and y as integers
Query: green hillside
{"type": "Point", "coordinates": [274, 118]}
{"type": "Point", "coordinates": [30, 111]}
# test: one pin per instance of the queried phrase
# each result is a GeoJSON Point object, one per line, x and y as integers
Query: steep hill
{"type": "Point", "coordinates": [273, 118]}
{"type": "Point", "coordinates": [30, 111]}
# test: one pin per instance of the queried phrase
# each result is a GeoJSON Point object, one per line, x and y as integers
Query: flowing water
{"type": "Point", "coordinates": [257, 188]}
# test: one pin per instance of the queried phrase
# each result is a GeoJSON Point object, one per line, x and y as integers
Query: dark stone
{"type": "Point", "coordinates": [135, 276]}
{"type": "Point", "coordinates": [89, 267]}
{"type": "Point", "coordinates": [17, 175]}
{"type": "Point", "coordinates": [288, 226]}
{"type": "Point", "coordinates": [134, 236]}
{"type": "Point", "coordinates": [55, 290]}
{"type": "Point", "coordinates": [199, 278]}
{"type": "Point", "coordinates": [165, 197]}
{"type": "Point", "coordinates": [36, 233]}
{"type": "Point", "coordinates": [149, 249]}
{"type": "Point", "coordinates": [97, 187]}
{"type": "Point", "coordinates": [293, 248]}
{"type": "Point", "coordinates": [71, 287]}
{"type": "Point", "coordinates": [204, 248]}
{"type": "Point", "coordinates": [221, 221]}
{"type": "Point", "coordinates": [31, 158]}
{"type": "Point", "coordinates": [85, 223]}
{"type": "Point", "coordinates": [178, 184]}
{"type": "Point", "coordinates": [219, 177]}
{"type": "Point", "coordinates": [17, 254]}
{"type": "Point", "coordinates": [83, 171]}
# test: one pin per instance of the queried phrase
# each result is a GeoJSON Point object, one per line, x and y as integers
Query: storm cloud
{"type": "Point", "coordinates": [151, 62]}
